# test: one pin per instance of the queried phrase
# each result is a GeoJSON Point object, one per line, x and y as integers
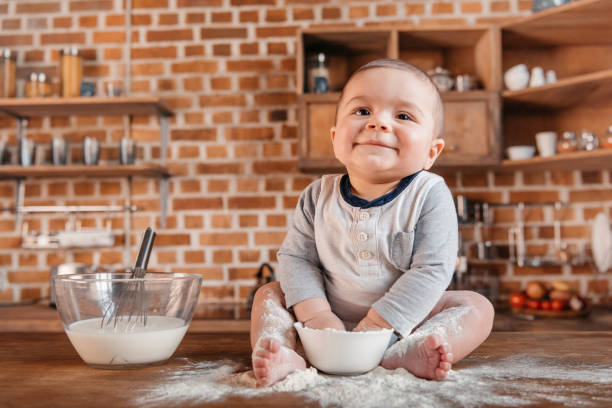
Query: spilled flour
{"type": "Point", "coordinates": [513, 381]}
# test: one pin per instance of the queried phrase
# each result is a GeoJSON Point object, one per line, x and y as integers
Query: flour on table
{"type": "Point", "coordinates": [513, 381]}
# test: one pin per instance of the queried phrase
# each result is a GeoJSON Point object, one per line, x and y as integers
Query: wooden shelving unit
{"type": "Point", "coordinates": [74, 171]}
{"type": "Point", "coordinates": [27, 107]}
{"type": "Point", "coordinates": [593, 160]}
{"type": "Point", "coordinates": [563, 93]}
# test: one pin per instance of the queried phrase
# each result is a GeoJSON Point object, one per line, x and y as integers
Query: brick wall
{"type": "Point", "coordinates": [226, 67]}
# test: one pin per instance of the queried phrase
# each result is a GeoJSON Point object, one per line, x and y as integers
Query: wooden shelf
{"type": "Point", "coordinates": [593, 160]}
{"type": "Point", "coordinates": [563, 93]}
{"type": "Point", "coordinates": [73, 171]}
{"type": "Point", "coordinates": [580, 22]}
{"type": "Point", "coordinates": [27, 107]}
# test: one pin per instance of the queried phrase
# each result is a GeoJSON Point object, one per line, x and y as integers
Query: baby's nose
{"type": "Point", "coordinates": [378, 125]}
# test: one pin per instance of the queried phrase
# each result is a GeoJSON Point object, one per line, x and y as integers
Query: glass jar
{"type": "Point", "coordinates": [44, 87]}
{"type": "Point", "coordinates": [31, 88]}
{"type": "Point", "coordinates": [567, 143]}
{"type": "Point", "coordinates": [606, 141]}
{"type": "Point", "coordinates": [71, 72]}
{"type": "Point", "coordinates": [8, 68]}
{"type": "Point", "coordinates": [318, 74]}
{"type": "Point", "coordinates": [587, 141]}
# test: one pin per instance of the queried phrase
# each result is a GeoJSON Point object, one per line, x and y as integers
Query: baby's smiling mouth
{"type": "Point", "coordinates": [374, 143]}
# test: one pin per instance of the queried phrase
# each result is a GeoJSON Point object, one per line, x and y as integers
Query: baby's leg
{"type": "Point", "coordinates": [273, 336]}
{"type": "Point", "coordinates": [459, 323]}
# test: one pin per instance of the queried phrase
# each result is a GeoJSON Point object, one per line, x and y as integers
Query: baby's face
{"type": "Point", "coordinates": [385, 125]}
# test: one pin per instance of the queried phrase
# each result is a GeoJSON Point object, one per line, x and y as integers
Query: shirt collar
{"type": "Point", "coordinates": [352, 199]}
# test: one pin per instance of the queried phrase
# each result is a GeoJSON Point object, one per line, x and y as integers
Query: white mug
{"type": "Point", "coordinates": [546, 143]}
{"type": "Point", "coordinates": [537, 77]}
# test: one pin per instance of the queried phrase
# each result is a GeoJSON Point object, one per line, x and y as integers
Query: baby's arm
{"type": "Point", "coordinates": [299, 267]}
{"type": "Point", "coordinates": [316, 313]}
{"type": "Point", "coordinates": [372, 321]}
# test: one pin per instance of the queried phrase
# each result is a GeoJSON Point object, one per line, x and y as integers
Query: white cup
{"type": "Point", "coordinates": [551, 76]}
{"type": "Point", "coordinates": [537, 77]}
{"type": "Point", "coordinates": [517, 77]}
{"type": "Point", "coordinates": [546, 143]}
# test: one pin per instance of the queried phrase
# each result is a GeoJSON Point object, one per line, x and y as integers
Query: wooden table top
{"type": "Point", "coordinates": [43, 370]}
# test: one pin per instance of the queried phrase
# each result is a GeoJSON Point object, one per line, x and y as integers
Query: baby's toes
{"type": "Point", "coordinates": [440, 374]}
{"type": "Point", "coordinates": [447, 357]}
{"type": "Point", "coordinates": [446, 366]}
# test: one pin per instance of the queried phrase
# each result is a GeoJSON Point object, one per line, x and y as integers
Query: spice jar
{"type": "Point", "coordinates": [567, 143]}
{"type": "Point", "coordinates": [31, 89]}
{"type": "Point", "coordinates": [71, 69]}
{"type": "Point", "coordinates": [318, 74]}
{"type": "Point", "coordinates": [44, 87]}
{"type": "Point", "coordinates": [8, 68]}
{"type": "Point", "coordinates": [606, 141]}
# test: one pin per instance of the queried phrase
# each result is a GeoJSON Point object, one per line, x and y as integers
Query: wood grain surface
{"type": "Point", "coordinates": [43, 370]}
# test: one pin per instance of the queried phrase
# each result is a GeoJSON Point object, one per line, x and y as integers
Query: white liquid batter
{"type": "Point", "coordinates": [108, 346]}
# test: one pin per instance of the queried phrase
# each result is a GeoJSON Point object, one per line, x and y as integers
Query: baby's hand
{"type": "Point", "coordinates": [372, 321]}
{"type": "Point", "coordinates": [325, 320]}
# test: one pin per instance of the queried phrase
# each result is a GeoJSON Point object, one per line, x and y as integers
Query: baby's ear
{"type": "Point", "coordinates": [332, 133]}
{"type": "Point", "coordinates": [437, 145]}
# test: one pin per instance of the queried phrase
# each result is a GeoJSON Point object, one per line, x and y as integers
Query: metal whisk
{"type": "Point", "coordinates": [129, 308]}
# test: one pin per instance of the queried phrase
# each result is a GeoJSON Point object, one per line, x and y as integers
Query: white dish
{"type": "Point", "coordinates": [342, 352]}
{"type": "Point", "coordinates": [517, 77]}
{"type": "Point", "coordinates": [601, 242]}
{"type": "Point", "coordinates": [520, 152]}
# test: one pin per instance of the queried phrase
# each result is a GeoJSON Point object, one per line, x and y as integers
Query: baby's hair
{"type": "Point", "coordinates": [438, 108]}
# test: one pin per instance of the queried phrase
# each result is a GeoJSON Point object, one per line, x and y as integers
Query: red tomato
{"type": "Point", "coordinates": [517, 300]}
{"type": "Point", "coordinates": [558, 305]}
{"type": "Point", "coordinates": [546, 305]}
{"type": "Point", "coordinates": [533, 304]}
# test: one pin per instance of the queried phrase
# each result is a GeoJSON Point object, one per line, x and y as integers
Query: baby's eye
{"type": "Point", "coordinates": [362, 112]}
{"type": "Point", "coordinates": [404, 116]}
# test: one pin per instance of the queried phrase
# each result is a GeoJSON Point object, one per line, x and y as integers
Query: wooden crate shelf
{"type": "Point", "coordinates": [73, 171]}
{"type": "Point", "coordinates": [593, 160]}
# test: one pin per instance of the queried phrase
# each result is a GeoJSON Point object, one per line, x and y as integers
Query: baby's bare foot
{"type": "Point", "coordinates": [272, 361]}
{"type": "Point", "coordinates": [430, 358]}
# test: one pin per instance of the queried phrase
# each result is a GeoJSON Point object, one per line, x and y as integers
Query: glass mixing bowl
{"type": "Point", "coordinates": [116, 322]}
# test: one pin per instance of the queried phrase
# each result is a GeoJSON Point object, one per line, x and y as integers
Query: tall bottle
{"type": "Point", "coordinates": [8, 64]}
{"type": "Point", "coordinates": [71, 72]}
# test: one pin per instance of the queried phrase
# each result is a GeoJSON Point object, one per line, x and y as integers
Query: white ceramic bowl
{"type": "Point", "coordinates": [341, 352]}
{"type": "Point", "coordinates": [517, 77]}
{"type": "Point", "coordinates": [520, 152]}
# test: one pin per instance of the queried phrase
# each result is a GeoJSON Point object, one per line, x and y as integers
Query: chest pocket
{"type": "Point", "coordinates": [401, 249]}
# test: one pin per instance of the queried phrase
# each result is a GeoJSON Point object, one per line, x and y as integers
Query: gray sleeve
{"type": "Point", "coordinates": [299, 270]}
{"type": "Point", "coordinates": [434, 253]}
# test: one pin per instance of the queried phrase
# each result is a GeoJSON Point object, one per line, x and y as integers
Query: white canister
{"type": "Point", "coordinates": [546, 143]}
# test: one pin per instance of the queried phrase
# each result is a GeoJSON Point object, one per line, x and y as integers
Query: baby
{"type": "Point", "coordinates": [375, 248]}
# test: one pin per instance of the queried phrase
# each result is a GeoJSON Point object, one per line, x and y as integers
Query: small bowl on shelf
{"type": "Point", "coordinates": [520, 152]}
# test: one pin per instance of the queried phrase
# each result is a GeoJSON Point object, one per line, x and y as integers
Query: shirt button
{"type": "Point", "coordinates": [362, 236]}
{"type": "Point", "coordinates": [365, 255]}
{"type": "Point", "coordinates": [364, 215]}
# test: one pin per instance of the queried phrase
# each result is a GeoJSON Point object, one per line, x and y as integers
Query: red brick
{"type": "Point", "coordinates": [194, 50]}
{"type": "Point", "coordinates": [194, 221]}
{"type": "Point", "coordinates": [168, 19]}
{"type": "Point", "coordinates": [222, 49]}
{"type": "Point", "coordinates": [500, 6]}
{"type": "Point", "coordinates": [278, 31]}
{"type": "Point", "coordinates": [88, 21]}
{"type": "Point", "coordinates": [221, 221]}
{"type": "Point", "coordinates": [251, 202]}
{"type": "Point", "coordinates": [249, 48]}
{"type": "Point", "coordinates": [276, 221]}
{"type": "Point", "coordinates": [222, 117]}
{"type": "Point", "coordinates": [15, 40]}
{"type": "Point", "coordinates": [241, 273]}
{"type": "Point", "coordinates": [154, 52]}
{"type": "Point", "coordinates": [269, 238]}
{"type": "Point", "coordinates": [249, 133]}
{"type": "Point", "coordinates": [289, 202]}
{"type": "Point", "coordinates": [249, 255]}
{"type": "Point", "coordinates": [141, 19]}
{"type": "Point", "coordinates": [30, 293]}
{"type": "Point", "coordinates": [279, 48]}
{"type": "Point", "coordinates": [276, 98]}
{"type": "Point", "coordinates": [169, 35]}
{"type": "Point", "coordinates": [219, 168]}
{"type": "Point", "coordinates": [109, 37]}
{"type": "Point", "coordinates": [590, 195]}
{"type": "Point", "coordinates": [248, 83]}
{"type": "Point", "coordinates": [246, 221]}
{"type": "Point", "coordinates": [331, 13]}
{"type": "Point", "coordinates": [197, 203]}
{"type": "Point", "coordinates": [224, 238]}
{"type": "Point", "coordinates": [250, 16]}
{"type": "Point", "coordinates": [194, 257]}
{"type": "Point", "coordinates": [442, 8]}
{"type": "Point", "coordinates": [247, 185]}
{"type": "Point", "coordinates": [306, 13]}
{"type": "Point", "coordinates": [359, 12]}
{"type": "Point", "coordinates": [195, 18]}
{"type": "Point", "coordinates": [280, 166]}
{"type": "Point", "coordinates": [216, 152]}
{"type": "Point", "coordinates": [115, 20]}
{"type": "Point", "coordinates": [221, 17]}
{"type": "Point", "coordinates": [253, 2]}
{"type": "Point", "coordinates": [199, 3]}
{"type": "Point", "coordinates": [90, 5]}
{"type": "Point", "coordinates": [221, 83]}
{"type": "Point", "coordinates": [250, 66]}
{"type": "Point", "coordinates": [38, 7]}
{"type": "Point", "coordinates": [222, 100]}
{"type": "Point", "coordinates": [148, 69]}
{"type": "Point", "coordinates": [218, 186]}
{"type": "Point", "coordinates": [471, 7]}
{"type": "Point", "coordinates": [171, 239]}
{"type": "Point", "coordinates": [276, 15]}
{"type": "Point", "coordinates": [194, 83]}
{"type": "Point", "coordinates": [228, 32]}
